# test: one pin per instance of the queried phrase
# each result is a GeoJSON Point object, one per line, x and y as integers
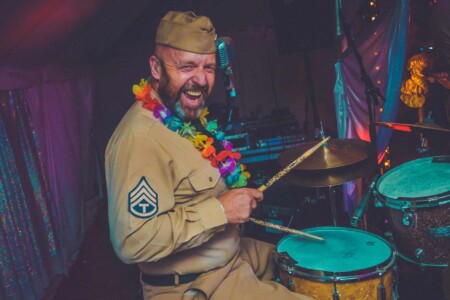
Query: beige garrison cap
{"type": "Point", "coordinates": [187, 31]}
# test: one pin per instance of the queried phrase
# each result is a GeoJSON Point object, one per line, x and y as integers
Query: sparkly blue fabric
{"type": "Point", "coordinates": [27, 237]}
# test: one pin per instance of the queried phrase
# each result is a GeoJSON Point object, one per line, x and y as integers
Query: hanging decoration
{"type": "Point", "coordinates": [415, 89]}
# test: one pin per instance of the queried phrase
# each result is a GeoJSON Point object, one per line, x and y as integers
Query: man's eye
{"type": "Point", "coordinates": [210, 69]}
{"type": "Point", "coordinates": [187, 68]}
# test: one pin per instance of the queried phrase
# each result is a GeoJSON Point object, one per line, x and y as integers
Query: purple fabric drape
{"type": "Point", "coordinates": [47, 175]}
{"type": "Point", "coordinates": [383, 49]}
{"type": "Point", "coordinates": [62, 115]}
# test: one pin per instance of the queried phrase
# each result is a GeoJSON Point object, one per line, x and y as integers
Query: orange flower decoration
{"type": "Point", "coordinates": [222, 156]}
{"type": "Point", "coordinates": [142, 91]}
{"type": "Point", "coordinates": [208, 149]}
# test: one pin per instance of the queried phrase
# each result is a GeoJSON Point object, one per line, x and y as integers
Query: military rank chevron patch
{"type": "Point", "coordinates": [143, 200]}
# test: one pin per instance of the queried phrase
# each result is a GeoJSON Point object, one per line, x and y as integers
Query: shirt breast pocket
{"type": "Point", "coordinates": [198, 185]}
{"type": "Point", "coordinates": [204, 178]}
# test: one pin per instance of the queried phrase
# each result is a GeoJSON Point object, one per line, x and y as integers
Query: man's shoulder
{"type": "Point", "coordinates": [137, 120]}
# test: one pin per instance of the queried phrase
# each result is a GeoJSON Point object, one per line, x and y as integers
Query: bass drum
{"type": "Point", "coordinates": [416, 196]}
{"type": "Point", "coordinates": [350, 263]}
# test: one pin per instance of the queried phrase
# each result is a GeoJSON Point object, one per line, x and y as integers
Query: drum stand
{"type": "Point", "coordinates": [332, 196]}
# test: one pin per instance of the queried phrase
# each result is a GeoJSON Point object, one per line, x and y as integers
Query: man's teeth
{"type": "Point", "coordinates": [194, 93]}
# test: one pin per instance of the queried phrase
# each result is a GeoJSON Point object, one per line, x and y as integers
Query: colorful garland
{"type": "Point", "coordinates": [233, 172]}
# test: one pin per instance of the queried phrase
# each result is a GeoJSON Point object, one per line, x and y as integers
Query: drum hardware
{"type": "Point", "coordinates": [335, 291]}
{"type": "Point", "coordinates": [421, 265]}
{"type": "Point", "coordinates": [290, 286]}
{"type": "Point", "coordinates": [287, 258]}
{"type": "Point", "coordinates": [418, 252]}
{"type": "Point", "coordinates": [439, 232]}
{"type": "Point", "coordinates": [409, 218]}
{"type": "Point", "coordinates": [332, 193]}
{"type": "Point", "coordinates": [406, 205]}
{"type": "Point", "coordinates": [395, 279]}
{"type": "Point", "coordinates": [419, 255]}
{"type": "Point", "coordinates": [364, 202]}
{"type": "Point", "coordinates": [423, 148]}
{"type": "Point", "coordinates": [378, 203]}
{"type": "Point", "coordinates": [381, 289]}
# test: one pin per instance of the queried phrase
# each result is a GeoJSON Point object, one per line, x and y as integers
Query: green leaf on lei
{"type": "Point", "coordinates": [187, 130]}
{"type": "Point", "coordinates": [211, 126]}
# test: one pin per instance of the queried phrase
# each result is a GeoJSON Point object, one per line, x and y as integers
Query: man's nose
{"type": "Point", "coordinates": [200, 77]}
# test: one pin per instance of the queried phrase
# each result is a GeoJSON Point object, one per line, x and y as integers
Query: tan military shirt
{"type": "Point", "coordinates": [162, 200]}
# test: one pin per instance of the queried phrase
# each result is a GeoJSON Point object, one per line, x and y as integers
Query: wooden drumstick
{"type": "Point", "coordinates": [292, 165]}
{"type": "Point", "coordinates": [285, 229]}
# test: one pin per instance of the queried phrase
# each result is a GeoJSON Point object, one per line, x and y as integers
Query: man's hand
{"type": "Point", "coordinates": [239, 203]}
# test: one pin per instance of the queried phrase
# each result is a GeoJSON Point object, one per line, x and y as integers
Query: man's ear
{"type": "Point", "coordinates": [155, 67]}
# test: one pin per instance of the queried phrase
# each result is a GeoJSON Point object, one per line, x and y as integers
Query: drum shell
{"type": "Point", "coordinates": [354, 290]}
{"type": "Point", "coordinates": [352, 281]}
{"type": "Point", "coordinates": [416, 200]}
{"type": "Point", "coordinates": [418, 235]}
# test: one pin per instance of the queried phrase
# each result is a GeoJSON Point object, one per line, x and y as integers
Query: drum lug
{"type": "Point", "coordinates": [419, 254]}
{"type": "Point", "coordinates": [377, 202]}
{"type": "Point", "coordinates": [381, 289]}
{"type": "Point", "coordinates": [291, 284]}
{"type": "Point", "coordinates": [335, 290]}
{"type": "Point", "coordinates": [408, 219]}
{"type": "Point", "coordinates": [406, 207]}
{"type": "Point", "coordinates": [409, 215]}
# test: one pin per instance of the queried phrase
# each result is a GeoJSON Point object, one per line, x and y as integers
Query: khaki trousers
{"type": "Point", "coordinates": [247, 276]}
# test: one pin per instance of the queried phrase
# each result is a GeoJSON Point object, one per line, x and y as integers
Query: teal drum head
{"type": "Point", "coordinates": [421, 179]}
{"type": "Point", "coordinates": [346, 252]}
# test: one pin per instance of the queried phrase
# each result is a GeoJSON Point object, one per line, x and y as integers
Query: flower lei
{"type": "Point", "coordinates": [233, 172]}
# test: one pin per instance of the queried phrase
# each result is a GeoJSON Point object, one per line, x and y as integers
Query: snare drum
{"type": "Point", "coordinates": [416, 196]}
{"type": "Point", "coordinates": [351, 263]}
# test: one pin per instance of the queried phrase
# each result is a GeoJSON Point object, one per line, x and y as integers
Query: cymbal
{"type": "Point", "coordinates": [331, 177]}
{"type": "Point", "coordinates": [336, 154]}
{"type": "Point", "coordinates": [409, 127]}
{"type": "Point", "coordinates": [341, 160]}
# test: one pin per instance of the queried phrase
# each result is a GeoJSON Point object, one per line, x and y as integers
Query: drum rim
{"type": "Point", "coordinates": [285, 262]}
{"type": "Point", "coordinates": [412, 202]}
{"type": "Point", "coordinates": [419, 202]}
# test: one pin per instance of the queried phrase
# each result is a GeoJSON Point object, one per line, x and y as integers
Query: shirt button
{"type": "Point", "coordinates": [210, 179]}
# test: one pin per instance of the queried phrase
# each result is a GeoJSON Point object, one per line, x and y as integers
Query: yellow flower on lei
{"type": "Point", "coordinates": [203, 115]}
{"type": "Point", "coordinates": [198, 140]}
{"type": "Point", "coordinates": [141, 90]}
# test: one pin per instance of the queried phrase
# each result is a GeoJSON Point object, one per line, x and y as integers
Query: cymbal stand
{"type": "Point", "coordinates": [423, 148]}
{"type": "Point", "coordinates": [332, 195]}
{"type": "Point", "coordinates": [371, 91]}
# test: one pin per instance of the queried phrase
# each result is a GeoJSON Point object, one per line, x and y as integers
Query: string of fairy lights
{"type": "Point", "coordinates": [368, 11]}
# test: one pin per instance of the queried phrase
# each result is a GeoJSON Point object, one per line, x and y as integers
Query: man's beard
{"type": "Point", "coordinates": [172, 100]}
{"type": "Point", "coordinates": [178, 110]}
